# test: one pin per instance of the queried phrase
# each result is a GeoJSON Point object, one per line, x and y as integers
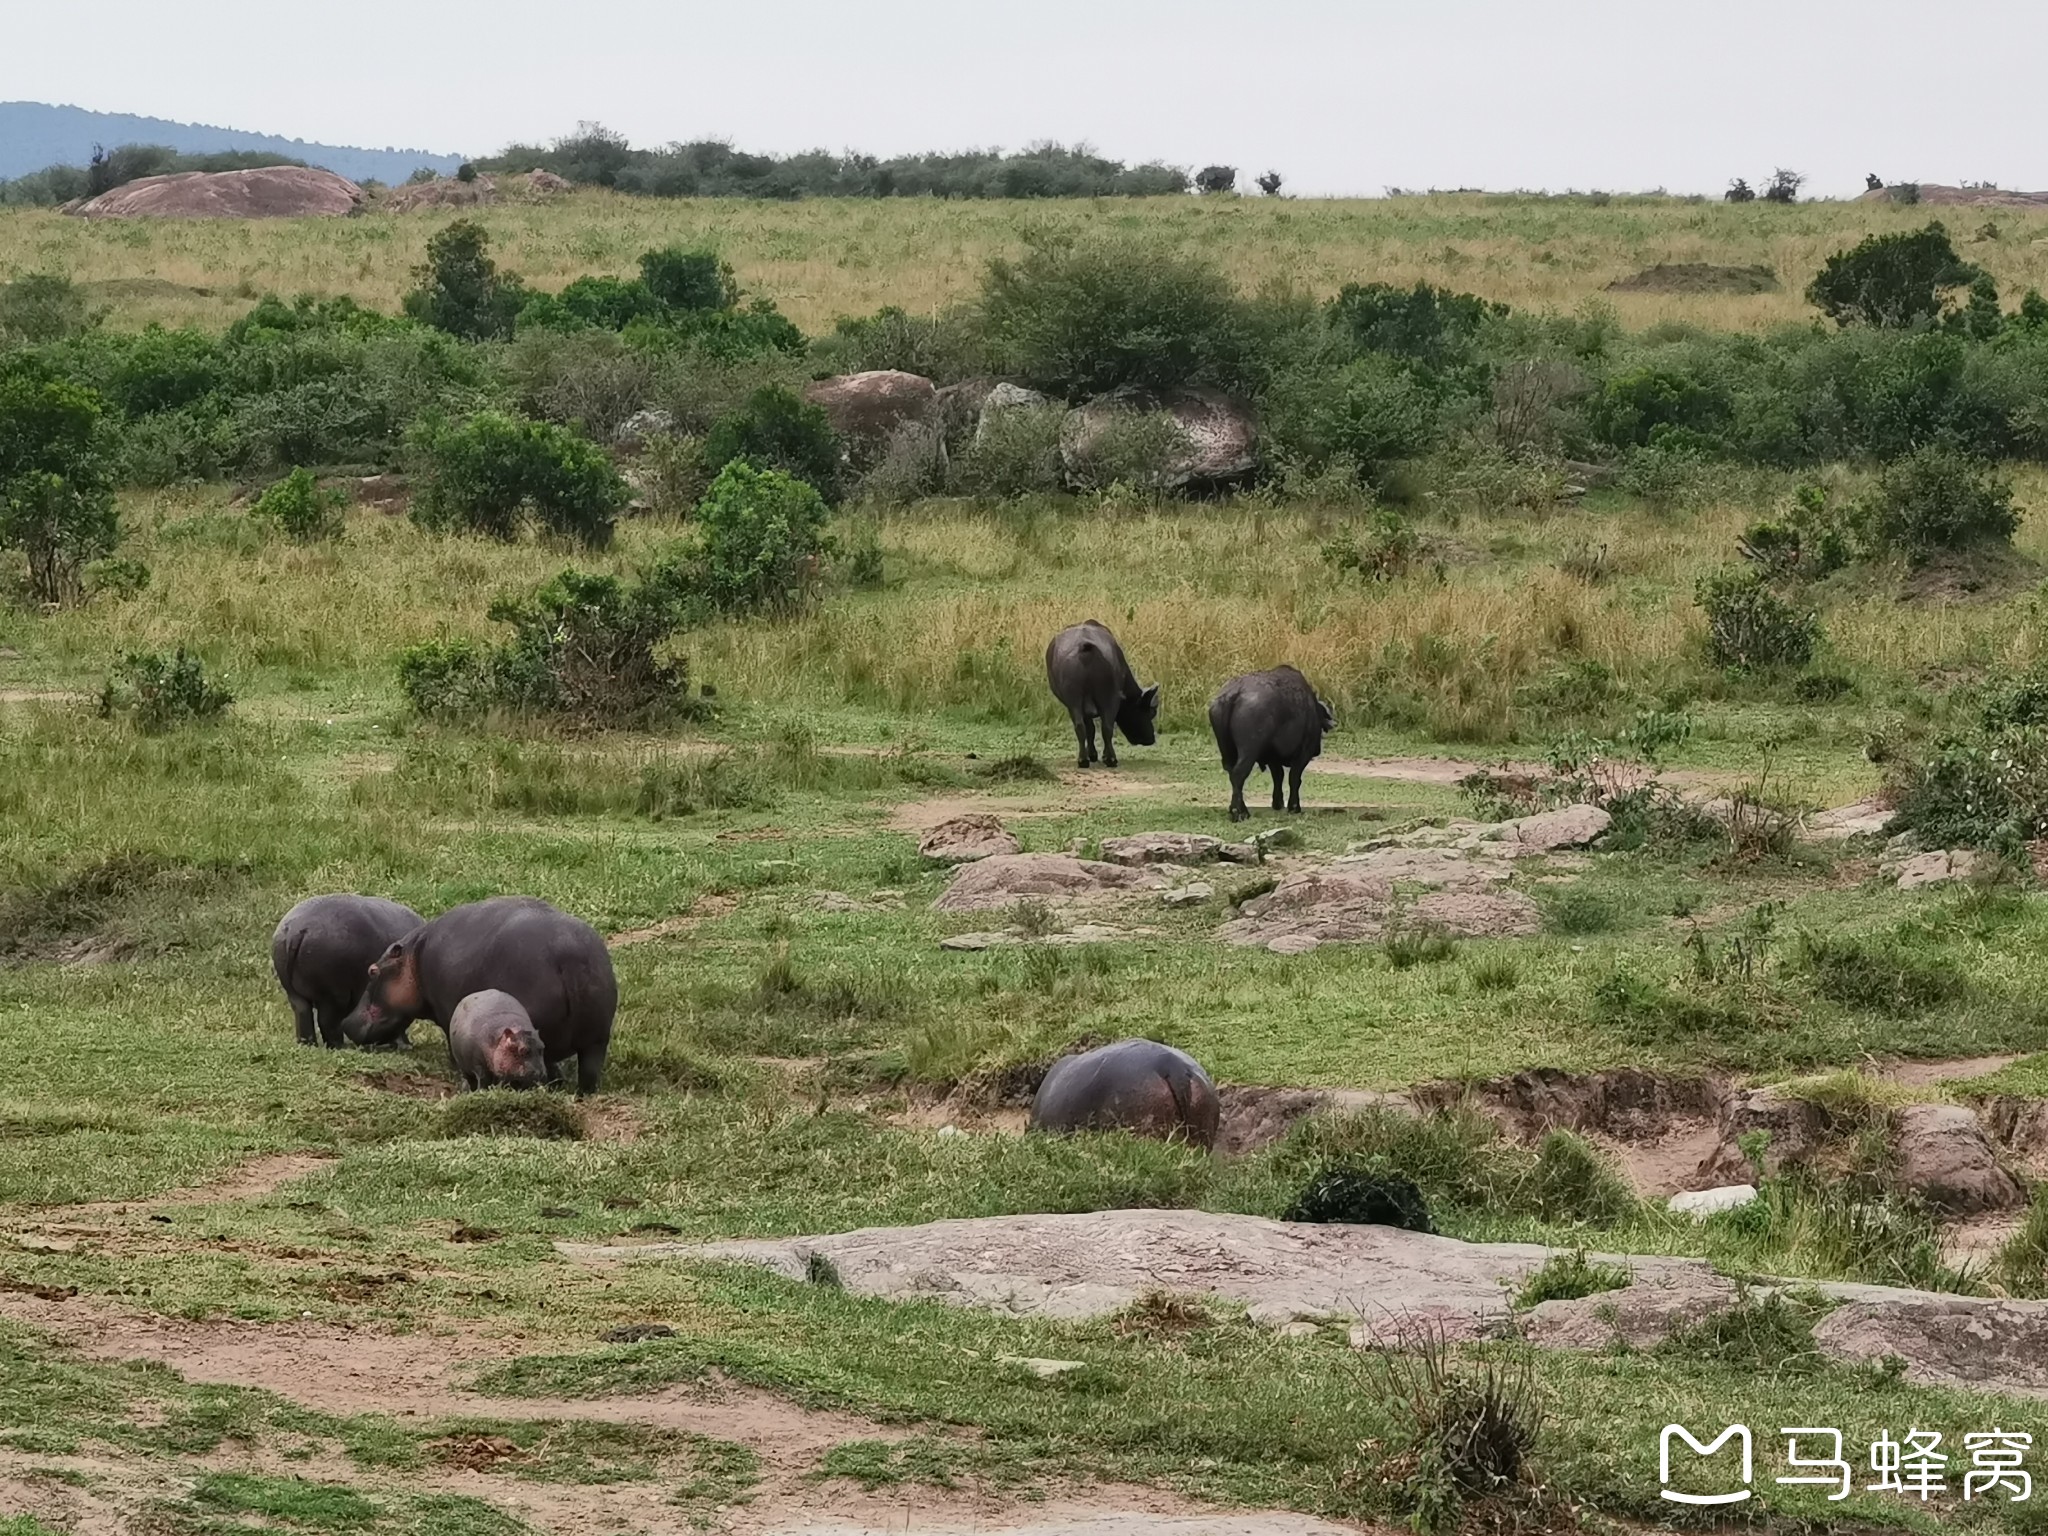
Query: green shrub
{"type": "Point", "coordinates": [159, 693]}
{"type": "Point", "coordinates": [460, 289]}
{"type": "Point", "coordinates": [778, 429]}
{"type": "Point", "coordinates": [117, 577]}
{"type": "Point", "coordinates": [1430, 326]}
{"type": "Point", "coordinates": [56, 470]}
{"type": "Point", "coordinates": [588, 379]}
{"type": "Point", "coordinates": [1812, 539]}
{"type": "Point", "coordinates": [1360, 415]}
{"type": "Point", "coordinates": [41, 308]}
{"type": "Point", "coordinates": [1085, 319]}
{"type": "Point", "coordinates": [1382, 553]}
{"type": "Point", "coordinates": [1015, 452]}
{"type": "Point", "coordinates": [1750, 626]}
{"type": "Point", "coordinates": [588, 650]}
{"type": "Point", "coordinates": [689, 280]}
{"type": "Point", "coordinates": [494, 471]}
{"type": "Point", "coordinates": [943, 346]}
{"type": "Point", "coordinates": [1136, 448]}
{"type": "Point", "coordinates": [761, 537]}
{"type": "Point", "coordinates": [1570, 1277]}
{"type": "Point", "coordinates": [1896, 280]}
{"type": "Point", "coordinates": [301, 509]}
{"type": "Point", "coordinates": [1987, 790]}
{"type": "Point", "coordinates": [1938, 501]}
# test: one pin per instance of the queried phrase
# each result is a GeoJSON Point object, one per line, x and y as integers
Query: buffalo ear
{"type": "Point", "coordinates": [1151, 698]}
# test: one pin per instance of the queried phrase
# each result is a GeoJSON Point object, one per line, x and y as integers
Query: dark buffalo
{"type": "Point", "coordinates": [1089, 675]}
{"type": "Point", "coordinates": [322, 952]}
{"type": "Point", "coordinates": [555, 965]}
{"type": "Point", "coordinates": [492, 1041]}
{"type": "Point", "coordinates": [1133, 1085]}
{"type": "Point", "coordinates": [1271, 720]}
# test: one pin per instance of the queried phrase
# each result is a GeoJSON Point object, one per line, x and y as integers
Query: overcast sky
{"type": "Point", "coordinates": [1341, 97]}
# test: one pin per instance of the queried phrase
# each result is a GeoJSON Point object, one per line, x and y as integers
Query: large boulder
{"type": "Point", "coordinates": [964, 839]}
{"type": "Point", "coordinates": [1791, 1130]}
{"type": "Point", "coordinates": [867, 409]}
{"type": "Point", "coordinates": [1005, 879]}
{"type": "Point", "coordinates": [266, 192]}
{"type": "Point", "coordinates": [1945, 1159]}
{"type": "Point", "coordinates": [1219, 435]}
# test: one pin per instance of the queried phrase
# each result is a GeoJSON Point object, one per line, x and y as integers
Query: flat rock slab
{"type": "Point", "coordinates": [964, 839]}
{"type": "Point", "coordinates": [1866, 818]}
{"type": "Point", "coordinates": [1162, 848]}
{"type": "Point", "coordinates": [1937, 868]}
{"type": "Point", "coordinates": [1361, 901]}
{"type": "Point", "coordinates": [1951, 1341]}
{"type": "Point", "coordinates": [1005, 879]}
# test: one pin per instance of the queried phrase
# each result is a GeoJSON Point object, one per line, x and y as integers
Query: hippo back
{"type": "Point", "coordinates": [555, 965]}
{"type": "Point", "coordinates": [1134, 1085]}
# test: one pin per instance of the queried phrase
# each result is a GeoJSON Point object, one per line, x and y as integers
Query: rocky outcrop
{"type": "Point", "coordinates": [1161, 848]}
{"type": "Point", "coordinates": [1790, 1130]}
{"type": "Point", "coordinates": [964, 839]}
{"type": "Point", "coordinates": [866, 409]}
{"type": "Point", "coordinates": [267, 192]}
{"type": "Point", "coordinates": [1218, 437]}
{"type": "Point", "coordinates": [1339, 904]}
{"type": "Point", "coordinates": [1945, 1159]}
{"type": "Point", "coordinates": [1643, 1313]}
{"type": "Point", "coordinates": [1005, 879]}
{"type": "Point", "coordinates": [1948, 1341]}
{"type": "Point", "coordinates": [1936, 868]}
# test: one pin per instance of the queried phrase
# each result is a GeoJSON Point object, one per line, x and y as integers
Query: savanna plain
{"type": "Point", "coordinates": [1760, 594]}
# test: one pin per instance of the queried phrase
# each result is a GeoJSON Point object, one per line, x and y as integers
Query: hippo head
{"type": "Point", "coordinates": [1327, 714]}
{"type": "Point", "coordinates": [1135, 717]}
{"type": "Point", "coordinates": [391, 999]}
{"type": "Point", "coordinates": [516, 1059]}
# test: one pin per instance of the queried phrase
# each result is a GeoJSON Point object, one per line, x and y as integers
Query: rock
{"type": "Point", "coordinates": [546, 183]}
{"type": "Point", "coordinates": [1866, 818]}
{"type": "Point", "coordinates": [265, 192]}
{"type": "Point", "coordinates": [1571, 826]}
{"type": "Point", "coordinates": [1275, 837]}
{"type": "Point", "coordinates": [1794, 1127]}
{"type": "Point", "coordinates": [1006, 878]}
{"type": "Point", "coordinates": [1240, 853]}
{"type": "Point", "coordinates": [1044, 1370]}
{"type": "Point", "coordinates": [867, 408]}
{"type": "Point", "coordinates": [1702, 1203]}
{"type": "Point", "coordinates": [1193, 894]}
{"type": "Point", "coordinates": [1945, 1341]}
{"type": "Point", "coordinates": [839, 901]}
{"type": "Point", "coordinates": [974, 941]}
{"type": "Point", "coordinates": [1300, 1328]}
{"type": "Point", "coordinates": [1944, 1158]}
{"type": "Point", "coordinates": [1359, 902]}
{"type": "Point", "coordinates": [1645, 1312]}
{"type": "Point", "coordinates": [1293, 944]}
{"type": "Point", "coordinates": [1086, 933]}
{"type": "Point", "coordinates": [637, 429]}
{"type": "Point", "coordinates": [965, 839]}
{"type": "Point", "coordinates": [387, 493]}
{"type": "Point", "coordinates": [1937, 868]}
{"type": "Point", "coordinates": [1219, 436]}
{"type": "Point", "coordinates": [1161, 848]}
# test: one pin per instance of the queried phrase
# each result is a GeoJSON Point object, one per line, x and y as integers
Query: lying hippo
{"type": "Point", "coordinates": [1089, 675]}
{"type": "Point", "coordinates": [493, 1043]}
{"type": "Point", "coordinates": [555, 965]}
{"type": "Point", "coordinates": [1133, 1085]}
{"type": "Point", "coordinates": [1271, 720]}
{"type": "Point", "coordinates": [322, 951]}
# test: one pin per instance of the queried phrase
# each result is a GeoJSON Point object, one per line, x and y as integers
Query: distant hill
{"type": "Point", "coordinates": [34, 134]}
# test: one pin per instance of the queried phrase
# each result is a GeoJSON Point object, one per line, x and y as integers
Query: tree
{"type": "Point", "coordinates": [1216, 178]}
{"type": "Point", "coordinates": [1784, 187]}
{"type": "Point", "coordinates": [689, 280]}
{"type": "Point", "coordinates": [1892, 281]}
{"type": "Point", "coordinates": [1270, 183]}
{"type": "Point", "coordinates": [461, 290]}
{"type": "Point", "coordinates": [56, 481]}
{"type": "Point", "coordinates": [1871, 182]}
{"type": "Point", "coordinates": [1739, 191]}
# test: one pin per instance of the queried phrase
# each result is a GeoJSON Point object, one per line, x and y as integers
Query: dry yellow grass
{"type": "Point", "coordinates": [828, 258]}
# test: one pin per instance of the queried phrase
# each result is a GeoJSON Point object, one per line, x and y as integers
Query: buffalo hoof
{"type": "Point", "coordinates": [1239, 813]}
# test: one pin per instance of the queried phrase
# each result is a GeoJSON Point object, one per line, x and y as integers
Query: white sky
{"type": "Point", "coordinates": [1340, 97]}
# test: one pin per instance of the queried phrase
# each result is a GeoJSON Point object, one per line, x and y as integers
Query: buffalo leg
{"type": "Point", "coordinates": [1239, 772]}
{"type": "Point", "coordinates": [302, 1016]}
{"type": "Point", "coordinates": [1293, 789]}
{"type": "Point", "coordinates": [1084, 733]}
{"type": "Point", "coordinates": [1109, 740]}
{"type": "Point", "coordinates": [1277, 803]}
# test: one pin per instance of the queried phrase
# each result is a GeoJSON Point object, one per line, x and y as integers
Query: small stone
{"type": "Point", "coordinates": [1938, 868]}
{"type": "Point", "coordinates": [839, 901]}
{"type": "Point", "coordinates": [1239, 853]}
{"type": "Point", "coordinates": [1275, 837]}
{"type": "Point", "coordinates": [35, 1242]}
{"type": "Point", "coordinates": [1294, 944]}
{"type": "Point", "coordinates": [948, 1130]}
{"type": "Point", "coordinates": [1044, 1370]}
{"type": "Point", "coordinates": [1188, 895]}
{"type": "Point", "coordinates": [1699, 1204]}
{"type": "Point", "coordinates": [1298, 1330]}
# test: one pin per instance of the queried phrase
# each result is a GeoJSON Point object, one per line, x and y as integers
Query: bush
{"type": "Point", "coordinates": [460, 289]}
{"type": "Point", "coordinates": [1810, 541]}
{"type": "Point", "coordinates": [41, 308]}
{"type": "Point", "coordinates": [1988, 790]}
{"type": "Point", "coordinates": [1897, 280]}
{"type": "Point", "coordinates": [778, 429]}
{"type": "Point", "coordinates": [1938, 501]}
{"type": "Point", "coordinates": [1081, 320]}
{"type": "Point", "coordinates": [1015, 452]}
{"type": "Point", "coordinates": [1750, 626]}
{"type": "Point", "coordinates": [1358, 416]}
{"type": "Point", "coordinates": [494, 471]}
{"type": "Point", "coordinates": [56, 496]}
{"type": "Point", "coordinates": [762, 535]}
{"type": "Point", "coordinates": [301, 509]}
{"type": "Point", "coordinates": [587, 379]}
{"type": "Point", "coordinates": [943, 347]}
{"type": "Point", "coordinates": [1136, 448]}
{"type": "Point", "coordinates": [584, 649]}
{"type": "Point", "coordinates": [1433, 327]}
{"type": "Point", "coordinates": [689, 280]}
{"type": "Point", "coordinates": [1384, 553]}
{"type": "Point", "coordinates": [159, 693]}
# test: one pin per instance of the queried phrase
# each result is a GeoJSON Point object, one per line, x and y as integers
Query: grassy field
{"type": "Point", "coordinates": [250, 1286]}
{"type": "Point", "coordinates": [831, 257]}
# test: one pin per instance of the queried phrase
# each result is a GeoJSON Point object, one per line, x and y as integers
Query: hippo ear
{"type": "Point", "coordinates": [1151, 698]}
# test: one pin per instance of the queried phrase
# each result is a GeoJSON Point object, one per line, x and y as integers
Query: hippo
{"type": "Point", "coordinates": [493, 1043]}
{"type": "Point", "coordinates": [1133, 1085]}
{"type": "Point", "coordinates": [1271, 720]}
{"type": "Point", "coordinates": [1089, 675]}
{"type": "Point", "coordinates": [555, 965]}
{"type": "Point", "coordinates": [322, 952]}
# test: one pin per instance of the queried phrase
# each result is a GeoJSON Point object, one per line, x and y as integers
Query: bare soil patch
{"type": "Point", "coordinates": [703, 910]}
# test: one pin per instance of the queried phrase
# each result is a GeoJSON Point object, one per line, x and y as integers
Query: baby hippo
{"type": "Point", "coordinates": [493, 1042]}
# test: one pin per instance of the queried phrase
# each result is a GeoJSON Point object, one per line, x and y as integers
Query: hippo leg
{"type": "Point", "coordinates": [302, 1017]}
{"type": "Point", "coordinates": [1084, 733]}
{"type": "Point", "coordinates": [1293, 788]}
{"type": "Point", "coordinates": [1239, 772]}
{"type": "Point", "coordinates": [1277, 802]}
{"type": "Point", "coordinates": [330, 1030]}
{"type": "Point", "coordinates": [590, 1068]}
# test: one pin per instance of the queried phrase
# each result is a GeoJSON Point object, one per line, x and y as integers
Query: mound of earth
{"type": "Point", "coordinates": [479, 192]}
{"type": "Point", "coordinates": [1939, 196]}
{"type": "Point", "coordinates": [1697, 277]}
{"type": "Point", "coordinates": [1393, 1284]}
{"type": "Point", "coordinates": [1007, 878]}
{"type": "Point", "coordinates": [266, 192]}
